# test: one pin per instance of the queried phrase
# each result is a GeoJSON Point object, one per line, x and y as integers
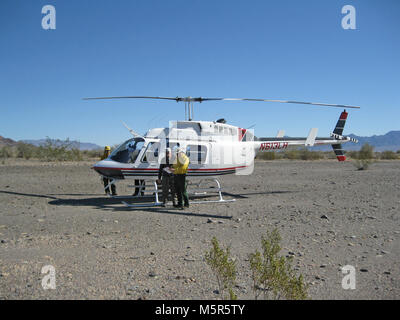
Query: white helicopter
{"type": "Point", "coordinates": [214, 148]}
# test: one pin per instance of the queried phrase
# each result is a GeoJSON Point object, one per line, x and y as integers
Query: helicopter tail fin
{"type": "Point", "coordinates": [337, 148]}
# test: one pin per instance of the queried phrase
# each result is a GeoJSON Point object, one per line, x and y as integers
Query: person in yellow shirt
{"type": "Point", "coordinates": [179, 168]}
{"type": "Point", "coordinates": [106, 181]}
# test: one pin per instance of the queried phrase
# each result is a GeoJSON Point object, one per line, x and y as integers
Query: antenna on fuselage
{"type": "Point", "coordinates": [134, 133]}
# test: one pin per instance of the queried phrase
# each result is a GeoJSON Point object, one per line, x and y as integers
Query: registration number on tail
{"type": "Point", "coordinates": [273, 145]}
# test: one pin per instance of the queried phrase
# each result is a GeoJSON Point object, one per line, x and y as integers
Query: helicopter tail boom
{"type": "Point", "coordinates": [335, 140]}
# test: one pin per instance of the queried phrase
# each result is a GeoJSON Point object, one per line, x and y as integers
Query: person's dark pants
{"type": "Point", "coordinates": [139, 183]}
{"type": "Point", "coordinates": [168, 184]}
{"type": "Point", "coordinates": [107, 190]}
{"type": "Point", "coordinates": [180, 189]}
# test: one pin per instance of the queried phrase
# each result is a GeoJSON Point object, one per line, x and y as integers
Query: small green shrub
{"type": "Point", "coordinates": [6, 152]}
{"type": "Point", "coordinates": [25, 150]}
{"type": "Point", "coordinates": [306, 154]}
{"type": "Point", "coordinates": [292, 154]}
{"type": "Point", "coordinates": [388, 155]}
{"type": "Point", "coordinates": [273, 275]}
{"type": "Point", "coordinates": [267, 156]}
{"type": "Point", "coordinates": [223, 267]}
{"type": "Point", "coordinates": [366, 152]}
{"type": "Point", "coordinates": [364, 158]}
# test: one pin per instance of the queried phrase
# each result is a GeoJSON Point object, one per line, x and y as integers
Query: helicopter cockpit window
{"type": "Point", "coordinates": [128, 151]}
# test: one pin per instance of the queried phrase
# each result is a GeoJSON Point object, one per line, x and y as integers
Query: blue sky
{"type": "Point", "coordinates": [286, 49]}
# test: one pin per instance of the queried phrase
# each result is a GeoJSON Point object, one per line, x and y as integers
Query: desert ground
{"type": "Point", "coordinates": [328, 214]}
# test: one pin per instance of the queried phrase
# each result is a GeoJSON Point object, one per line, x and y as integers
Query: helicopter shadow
{"type": "Point", "coordinates": [247, 195]}
{"type": "Point", "coordinates": [115, 203]}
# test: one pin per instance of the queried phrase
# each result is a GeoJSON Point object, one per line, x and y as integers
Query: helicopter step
{"type": "Point", "coordinates": [201, 189]}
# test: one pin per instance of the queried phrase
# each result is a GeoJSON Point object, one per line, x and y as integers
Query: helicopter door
{"type": "Point", "coordinates": [151, 154]}
{"type": "Point", "coordinates": [215, 155]}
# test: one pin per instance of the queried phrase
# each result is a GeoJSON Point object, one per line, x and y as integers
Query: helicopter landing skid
{"type": "Point", "coordinates": [203, 191]}
{"type": "Point", "coordinates": [154, 193]}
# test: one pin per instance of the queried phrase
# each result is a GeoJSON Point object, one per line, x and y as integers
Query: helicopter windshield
{"type": "Point", "coordinates": [128, 151]}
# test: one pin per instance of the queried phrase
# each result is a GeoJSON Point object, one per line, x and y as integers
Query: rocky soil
{"type": "Point", "coordinates": [328, 214]}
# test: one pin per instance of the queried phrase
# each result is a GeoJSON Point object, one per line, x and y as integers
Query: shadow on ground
{"type": "Point", "coordinates": [115, 203]}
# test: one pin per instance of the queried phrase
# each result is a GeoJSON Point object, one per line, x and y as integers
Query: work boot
{"type": "Point", "coordinates": [179, 206]}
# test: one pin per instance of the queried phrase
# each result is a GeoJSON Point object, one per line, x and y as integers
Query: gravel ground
{"type": "Point", "coordinates": [328, 214]}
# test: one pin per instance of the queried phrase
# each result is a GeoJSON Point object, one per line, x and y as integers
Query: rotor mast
{"type": "Point", "coordinates": [189, 109]}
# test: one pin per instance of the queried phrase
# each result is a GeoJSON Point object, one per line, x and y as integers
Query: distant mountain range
{"type": "Point", "coordinates": [6, 142]}
{"type": "Point", "coordinates": [74, 144]}
{"type": "Point", "coordinates": [388, 141]}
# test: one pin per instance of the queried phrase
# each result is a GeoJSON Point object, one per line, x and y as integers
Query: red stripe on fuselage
{"type": "Point", "coordinates": [153, 169]}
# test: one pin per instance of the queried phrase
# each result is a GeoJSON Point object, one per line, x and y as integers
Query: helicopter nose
{"type": "Point", "coordinates": [108, 169]}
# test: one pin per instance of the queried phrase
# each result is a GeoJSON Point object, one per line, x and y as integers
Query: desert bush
{"type": "Point", "coordinates": [58, 150]}
{"type": "Point", "coordinates": [352, 154]}
{"type": "Point", "coordinates": [366, 152]}
{"type": "Point", "coordinates": [267, 156]}
{"type": "Point", "coordinates": [306, 154]}
{"type": "Point", "coordinates": [292, 154]}
{"type": "Point", "coordinates": [97, 153]}
{"type": "Point", "coordinates": [364, 157]}
{"type": "Point", "coordinates": [330, 155]}
{"type": "Point", "coordinates": [273, 275]}
{"type": "Point", "coordinates": [6, 152]}
{"type": "Point", "coordinates": [25, 150]}
{"type": "Point", "coordinates": [75, 154]}
{"type": "Point", "coordinates": [303, 154]}
{"type": "Point", "coordinates": [223, 267]}
{"type": "Point", "coordinates": [388, 155]}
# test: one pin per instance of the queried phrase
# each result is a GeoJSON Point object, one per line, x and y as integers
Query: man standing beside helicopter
{"type": "Point", "coordinates": [106, 181]}
{"type": "Point", "coordinates": [179, 169]}
{"type": "Point", "coordinates": [167, 178]}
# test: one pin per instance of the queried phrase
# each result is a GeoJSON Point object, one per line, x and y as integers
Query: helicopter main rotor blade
{"type": "Point", "coordinates": [282, 101]}
{"type": "Point", "coordinates": [135, 97]}
{"type": "Point", "coordinates": [201, 99]}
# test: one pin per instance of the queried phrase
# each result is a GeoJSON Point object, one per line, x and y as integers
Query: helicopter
{"type": "Point", "coordinates": [214, 148]}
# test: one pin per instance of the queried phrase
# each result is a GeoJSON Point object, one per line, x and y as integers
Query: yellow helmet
{"type": "Point", "coordinates": [107, 148]}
